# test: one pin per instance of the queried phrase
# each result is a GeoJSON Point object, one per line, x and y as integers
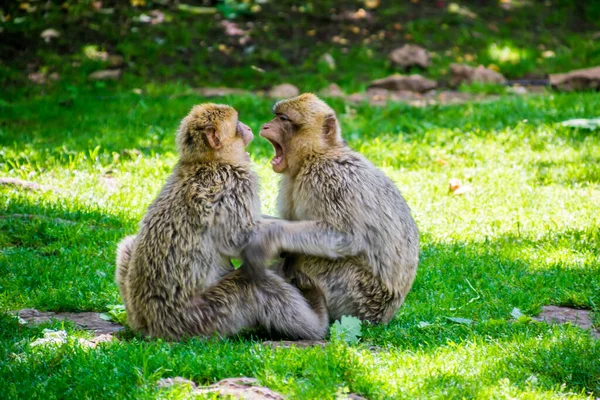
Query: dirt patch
{"type": "Point", "coordinates": [562, 315]}
{"type": "Point", "coordinates": [90, 321]}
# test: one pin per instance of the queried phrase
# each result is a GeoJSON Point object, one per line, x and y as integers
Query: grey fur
{"type": "Point", "coordinates": [176, 277]}
{"type": "Point", "coordinates": [355, 235]}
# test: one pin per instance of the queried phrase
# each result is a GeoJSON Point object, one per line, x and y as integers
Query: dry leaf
{"type": "Point", "coordinates": [457, 187]}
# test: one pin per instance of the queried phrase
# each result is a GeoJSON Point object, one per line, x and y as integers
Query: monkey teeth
{"type": "Point", "coordinates": [277, 160]}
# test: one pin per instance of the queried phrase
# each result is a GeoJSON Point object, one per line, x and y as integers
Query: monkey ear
{"type": "Point", "coordinates": [212, 137]}
{"type": "Point", "coordinates": [329, 125]}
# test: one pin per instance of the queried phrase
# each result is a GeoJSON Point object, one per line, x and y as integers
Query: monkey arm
{"type": "Point", "coordinates": [315, 238]}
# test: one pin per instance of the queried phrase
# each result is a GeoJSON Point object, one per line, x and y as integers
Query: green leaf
{"type": "Point", "coordinates": [105, 317]}
{"type": "Point", "coordinates": [464, 321]}
{"type": "Point", "coordinates": [116, 313]}
{"type": "Point", "coordinates": [347, 329]}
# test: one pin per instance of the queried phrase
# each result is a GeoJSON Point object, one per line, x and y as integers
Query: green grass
{"type": "Point", "coordinates": [527, 236]}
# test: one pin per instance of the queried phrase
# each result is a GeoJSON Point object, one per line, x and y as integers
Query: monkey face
{"type": "Point", "coordinates": [213, 131]}
{"type": "Point", "coordinates": [302, 125]}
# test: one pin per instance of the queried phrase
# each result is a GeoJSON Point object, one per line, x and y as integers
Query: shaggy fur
{"type": "Point", "coordinates": [175, 276]}
{"type": "Point", "coordinates": [355, 237]}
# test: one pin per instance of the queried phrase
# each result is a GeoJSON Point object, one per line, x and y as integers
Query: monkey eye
{"type": "Point", "coordinates": [283, 117]}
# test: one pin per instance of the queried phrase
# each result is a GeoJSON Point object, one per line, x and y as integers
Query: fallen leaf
{"type": "Point", "coordinates": [463, 189]}
{"type": "Point", "coordinates": [455, 184]}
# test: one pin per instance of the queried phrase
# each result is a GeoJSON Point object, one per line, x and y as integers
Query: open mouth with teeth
{"type": "Point", "coordinates": [278, 162]}
{"type": "Point", "coordinates": [278, 159]}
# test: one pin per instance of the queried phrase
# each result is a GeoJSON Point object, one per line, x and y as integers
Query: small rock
{"type": "Point", "coordinates": [410, 55]}
{"type": "Point", "coordinates": [105, 74]}
{"type": "Point", "coordinates": [520, 90]}
{"type": "Point", "coordinates": [413, 83]}
{"type": "Point", "coordinates": [356, 97]}
{"type": "Point", "coordinates": [283, 91]}
{"type": "Point", "coordinates": [561, 315]}
{"type": "Point", "coordinates": [218, 91]}
{"type": "Point", "coordinates": [88, 320]}
{"type": "Point", "coordinates": [332, 90]}
{"type": "Point", "coordinates": [178, 380]}
{"type": "Point", "coordinates": [92, 343]}
{"type": "Point", "coordinates": [461, 73]}
{"type": "Point", "coordinates": [237, 388]}
{"type": "Point", "coordinates": [328, 60]}
{"type": "Point", "coordinates": [49, 34]}
{"type": "Point", "coordinates": [580, 79]}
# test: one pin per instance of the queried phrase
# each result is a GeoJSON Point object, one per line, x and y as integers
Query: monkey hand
{"type": "Point", "coordinates": [261, 248]}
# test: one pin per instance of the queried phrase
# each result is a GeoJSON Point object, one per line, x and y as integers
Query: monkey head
{"type": "Point", "coordinates": [213, 131]}
{"type": "Point", "coordinates": [302, 126]}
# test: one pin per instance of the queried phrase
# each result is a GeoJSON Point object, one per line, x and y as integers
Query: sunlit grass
{"type": "Point", "coordinates": [526, 236]}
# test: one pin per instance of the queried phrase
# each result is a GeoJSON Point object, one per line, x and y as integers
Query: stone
{"type": "Point", "coordinates": [105, 75]}
{"type": "Point", "coordinates": [519, 90]}
{"type": "Point", "coordinates": [580, 79]}
{"type": "Point", "coordinates": [236, 388]}
{"type": "Point", "coordinates": [357, 98]}
{"type": "Point", "coordinates": [90, 321]}
{"type": "Point", "coordinates": [332, 90]}
{"type": "Point", "coordinates": [561, 315]}
{"type": "Point", "coordinates": [462, 73]}
{"type": "Point", "coordinates": [412, 83]}
{"type": "Point", "coordinates": [218, 91]}
{"type": "Point", "coordinates": [283, 91]}
{"type": "Point", "coordinates": [410, 55]}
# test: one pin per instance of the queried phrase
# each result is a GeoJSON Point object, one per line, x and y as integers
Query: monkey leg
{"type": "Point", "coordinates": [308, 287]}
{"type": "Point", "coordinates": [351, 289]}
{"type": "Point", "coordinates": [124, 250]}
{"type": "Point", "coordinates": [237, 303]}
